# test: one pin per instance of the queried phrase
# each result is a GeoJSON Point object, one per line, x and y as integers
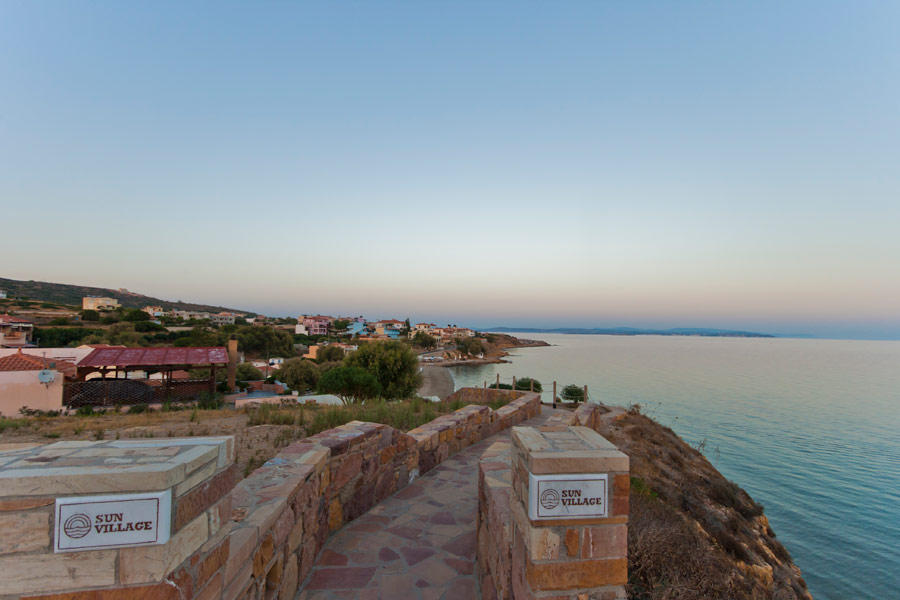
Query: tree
{"type": "Point", "coordinates": [135, 314]}
{"type": "Point", "coordinates": [406, 328]}
{"type": "Point", "coordinates": [469, 346]}
{"type": "Point", "coordinates": [351, 384]}
{"type": "Point", "coordinates": [340, 325]}
{"type": "Point", "coordinates": [59, 321]}
{"type": "Point", "coordinates": [329, 354]}
{"type": "Point", "coordinates": [394, 365]}
{"type": "Point", "coordinates": [298, 374]}
{"type": "Point", "coordinates": [263, 341]}
{"type": "Point", "coordinates": [572, 393]}
{"type": "Point", "coordinates": [247, 372]}
{"type": "Point", "coordinates": [90, 315]}
{"type": "Point", "coordinates": [423, 340]}
{"type": "Point", "coordinates": [525, 384]}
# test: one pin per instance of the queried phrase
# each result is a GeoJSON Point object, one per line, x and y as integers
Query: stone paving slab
{"type": "Point", "coordinates": [419, 544]}
{"type": "Point", "coordinates": [85, 467]}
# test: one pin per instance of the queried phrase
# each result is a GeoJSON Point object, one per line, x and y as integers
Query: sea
{"type": "Point", "coordinates": [810, 428]}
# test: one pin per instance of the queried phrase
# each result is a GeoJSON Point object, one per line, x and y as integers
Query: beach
{"type": "Point", "coordinates": [436, 381]}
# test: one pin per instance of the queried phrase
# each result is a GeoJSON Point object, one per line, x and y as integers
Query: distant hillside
{"type": "Point", "coordinates": [64, 293]}
{"type": "Point", "coordinates": [634, 331]}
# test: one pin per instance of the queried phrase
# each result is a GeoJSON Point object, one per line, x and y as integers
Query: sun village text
{"type": "Point", "coordinates": [573, 498]}
{"type": "Point", "coordinates": [113, 523]}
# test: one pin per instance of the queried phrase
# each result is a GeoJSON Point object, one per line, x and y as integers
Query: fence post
{"type": "Point", "coordinates": [514, 383]}
{"type": "Point", "coordinates": [554, 394]}
{"type": "Point", "coordinates": [585, 393]}
{"type": "Point", "coordinates": [498, 381]}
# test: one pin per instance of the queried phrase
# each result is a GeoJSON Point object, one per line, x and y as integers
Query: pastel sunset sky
{"type": "Point", "coordinates": [731, 165]}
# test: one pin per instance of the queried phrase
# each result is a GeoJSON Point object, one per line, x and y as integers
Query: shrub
{"type": "Point", "coordinates": [351, 384]}
{"type": "Point", "coordinates": [525, 384]}
{"type": "Point", "coordinates": [572, 393]}
{"type": "Point", "coordinates": [209, 401]}
{"type": "Point", "coordinates": [298, 374]}
{"type": "Point", "coordinates": [137, 409]}
{"type": "Point", "coordinates": [500, 386]}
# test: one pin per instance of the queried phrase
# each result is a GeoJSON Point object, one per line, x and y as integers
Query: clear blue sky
{"type": "Point", "coordinates": [717, 164]}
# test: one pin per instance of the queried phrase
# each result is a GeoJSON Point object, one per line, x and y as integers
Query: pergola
{"type": "Point", "coordinates": [165, 361]}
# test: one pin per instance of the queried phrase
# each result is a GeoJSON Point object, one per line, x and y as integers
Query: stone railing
{"type": "Point", "coordinates": [289, 506]}
{"type": "Point", "coordinates": [522, 554]}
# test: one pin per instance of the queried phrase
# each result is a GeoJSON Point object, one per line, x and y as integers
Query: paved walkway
{"type": "Point", "coordinates": [419, 544]}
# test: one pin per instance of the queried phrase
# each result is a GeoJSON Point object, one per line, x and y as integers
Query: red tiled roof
{"type": "Point", "coordinates": [138, 357]}
{"type": "Point", "coordinates": [12, 319]}
{"type": "Point", "coordinates": [28, 362]}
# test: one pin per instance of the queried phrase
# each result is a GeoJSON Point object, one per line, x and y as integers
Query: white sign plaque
{"type": "Point", "coordinates": [572, 496]}
{"type": "Point", "coordinates": [119, 521]}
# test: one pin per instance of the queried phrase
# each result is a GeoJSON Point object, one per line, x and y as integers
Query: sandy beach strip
{"type": "Point", "coordinates": [436, 381]}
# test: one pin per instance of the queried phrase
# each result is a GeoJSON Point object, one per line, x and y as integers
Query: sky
{"type": "Point", "coordinates": [544, 164]}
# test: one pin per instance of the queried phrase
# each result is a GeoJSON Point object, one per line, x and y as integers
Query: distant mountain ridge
{"type": "Point", "coordinates": [696, 331]}
{"type": "Point", "coordinates": [64, 293]}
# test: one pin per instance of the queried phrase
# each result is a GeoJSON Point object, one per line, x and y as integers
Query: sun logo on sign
{"type": "Point", "coordinates": [77, 526]}
{"type": "Point", "coordinates": [550, 499]}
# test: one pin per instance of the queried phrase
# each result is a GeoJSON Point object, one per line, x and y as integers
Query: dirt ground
{"type": "Point", "coordinates": [254, 445]}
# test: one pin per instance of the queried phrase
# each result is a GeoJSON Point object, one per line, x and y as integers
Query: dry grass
{"type": "Point", "coordinates": [694, 535]}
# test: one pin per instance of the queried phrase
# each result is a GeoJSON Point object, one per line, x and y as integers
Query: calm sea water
{"type": "Point", "coordinates": [811, 428]}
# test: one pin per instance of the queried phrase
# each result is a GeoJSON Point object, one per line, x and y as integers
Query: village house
{"type": "Point", "coordinates": [317, 324]}
{"type": "Point", "coordinates": [33, 382]}
{"type": "Point", "coordinates": [98, 303]}
{"type": "Point", "coordinates": [15, 332]}
{"type": "Point", "coordinates": [2, 295]}
{"type": "Point", "coordinates": [154, 311]}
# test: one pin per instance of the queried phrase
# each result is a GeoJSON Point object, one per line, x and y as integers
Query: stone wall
{"type": "Point", "coordinates": [482, 395]}
{"type": "Point", "coordinates": [286, 509]}
{"type": "Point", "coordinates": [448, 434]}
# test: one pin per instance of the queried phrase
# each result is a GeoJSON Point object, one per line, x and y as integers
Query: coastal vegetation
{"type": "Point", "coordinates": [572, 393]}
{"type": "Point", "coordinates": [693, 534]}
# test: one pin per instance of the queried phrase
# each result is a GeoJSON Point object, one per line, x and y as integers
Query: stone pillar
{"type": "Point", "coordinates": [232, 363]}
{"type": "Point", "coordinates": [569, 515]}
{"type": "Point", "coordinates": [113, 519]}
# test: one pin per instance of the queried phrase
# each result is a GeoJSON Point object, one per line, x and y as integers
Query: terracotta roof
{"type": "Point", "coordinates": [28, 362]}
{"type": "Point", "coordinates": [12, 319]}
{"type": "Point", "coordinates": [138, 357]}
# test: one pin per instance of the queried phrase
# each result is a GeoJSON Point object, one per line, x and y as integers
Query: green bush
{"type": "Point", "coordinates": [525, 384]}
{"type": "Point", "coordinates": [351, 384]}
{"type": "Point", "coordinates": [572, 393]}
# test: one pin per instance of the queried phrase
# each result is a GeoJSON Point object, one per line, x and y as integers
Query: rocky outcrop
{"type": "Point", "coordinates": [692, 533]}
